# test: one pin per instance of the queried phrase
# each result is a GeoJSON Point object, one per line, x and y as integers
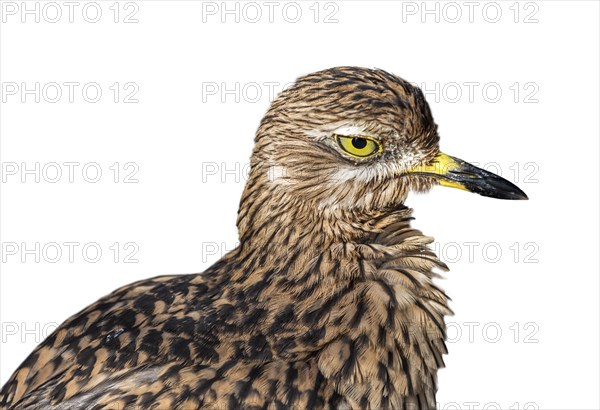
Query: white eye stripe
{"type": "Point", "coordinates": [351, 130]}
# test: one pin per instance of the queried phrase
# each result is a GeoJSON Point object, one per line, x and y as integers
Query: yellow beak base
{"type": "Point", "coordinates": [456, 173]}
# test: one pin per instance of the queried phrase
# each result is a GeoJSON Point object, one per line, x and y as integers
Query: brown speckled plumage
{"type": "Point", "coordinates": [328, 302]}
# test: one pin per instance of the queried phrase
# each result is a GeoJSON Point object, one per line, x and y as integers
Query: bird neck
{"type": "Point", "coordinates": [286, 237]}
{"type": "Point", "coordinates": [352, 286]}
{"type": "Point", "coordinates": [271, 216]}
{"type": "Point", "coordinates": [331, 286]}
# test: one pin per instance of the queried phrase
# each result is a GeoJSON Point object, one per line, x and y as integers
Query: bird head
{"type": "Point", "coordinates": [350, 138]}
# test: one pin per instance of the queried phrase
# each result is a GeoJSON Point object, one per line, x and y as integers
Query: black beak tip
{"type": "Point", "coordinates": [500, 188]}
{"type": "Point", "coordinates": [523, 196]}
{"type": "Point", "coordinates": [517, 195]}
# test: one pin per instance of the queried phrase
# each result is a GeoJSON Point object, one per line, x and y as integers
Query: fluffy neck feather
{"type": "Point", "coordinates": [350, 292]}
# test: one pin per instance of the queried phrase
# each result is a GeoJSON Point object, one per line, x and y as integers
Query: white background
{"type": "Point", "coordinates": [184, 133]}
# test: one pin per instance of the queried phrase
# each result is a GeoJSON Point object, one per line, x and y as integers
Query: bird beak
{"type": "Point", "coordinates": [456, 173]}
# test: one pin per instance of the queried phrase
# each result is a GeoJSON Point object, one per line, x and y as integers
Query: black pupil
{"type": "Point", "coordinates": [359, 143]}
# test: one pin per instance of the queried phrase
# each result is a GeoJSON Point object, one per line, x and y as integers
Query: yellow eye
{"type": "Point", "coordinates": [359, 146]}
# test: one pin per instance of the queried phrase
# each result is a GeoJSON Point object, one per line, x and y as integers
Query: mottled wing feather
{"type": "Point", "coordinates": [144, 345]}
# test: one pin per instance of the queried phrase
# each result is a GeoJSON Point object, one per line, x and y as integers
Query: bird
{"type": "Point", "coordinates": [328, 302]}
